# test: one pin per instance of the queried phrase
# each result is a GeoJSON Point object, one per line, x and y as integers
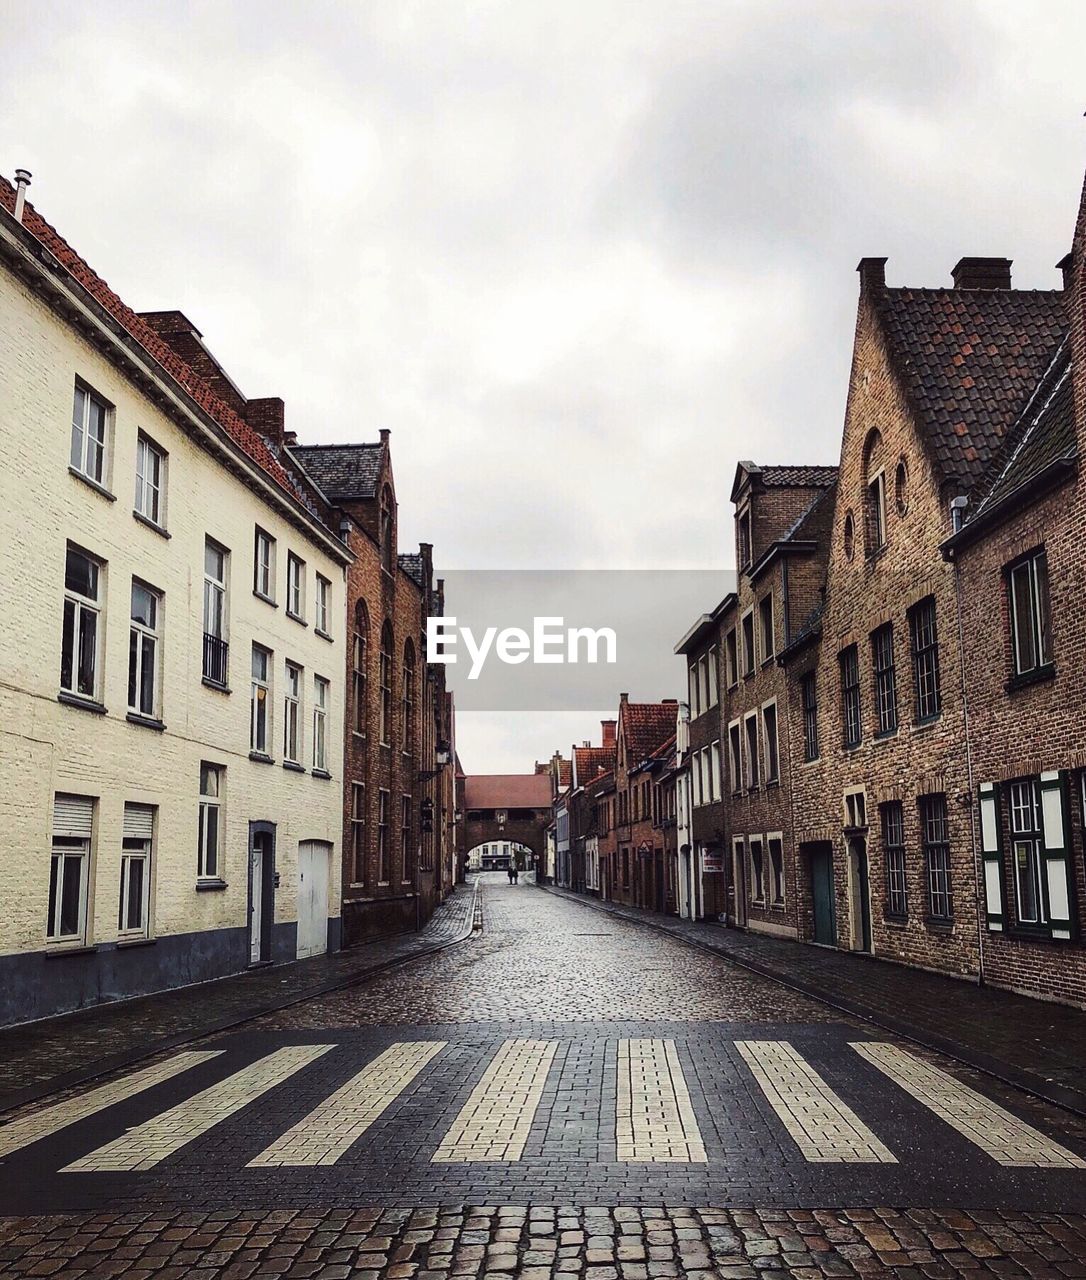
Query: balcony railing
{"type": "Point", "coordinates": [215, 654]}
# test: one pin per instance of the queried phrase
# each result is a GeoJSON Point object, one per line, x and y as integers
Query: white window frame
{"type": "Point", "coordinates": [264, 565]}
{"type": "Point", "coordinates": [83, 607]}
{"type": "Point", "coordinates": [323, 604]}
{"type": "Point", "coordinates": [149, 501]}
{"type": "Point", "coordinates": [731, 657]}
{"type": "Point", "coordinates": [91, 465]}
{"type": "Point", "coordinates": [775, 754]}
{"type": "Point", "coordinates": [135, 849]}
{"type": "Point", "coordinates": [752, 776]}
{"type": "Point", "coordinates": [258, 742]}
{"type": "Point", "coordinates": [63, 849]}
{"type": "Point", "coordinates": [1040, 623]}
{"type": "Point", "coordinates": [876, 512]}
{"type": "Point", "coordinates": [714, 685]}
{"type": "Point", "coordinates": [292, 714]}
{"type": "Point", "coordinates": [714, 769]}
{"type": "Point", "coordinates": [211, 803]}
{"type": "Point", "coordinates": [216, 621]}
{"type": "Point", "coordinates": [321, 698]}
{"type": "Point", "coordinates": [146, 640]}
{"type": "Point", "coordinates": [778, 837]}
{"type": "Point", "coordinates": [757, 879]}
{"type": "Point", "coordinates": [295, 587]}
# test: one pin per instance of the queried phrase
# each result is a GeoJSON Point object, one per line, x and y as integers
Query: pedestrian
{"type": "Point", "coordinates": [511, 872]}
{"type": "Point", "coordinates": [516, 874]}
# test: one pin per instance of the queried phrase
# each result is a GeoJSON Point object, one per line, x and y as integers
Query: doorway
{"type": "Point", "coordinates": [861, 894]}
{"type": "Point", "coordinates": [314, 857]}
{"type": "Point", "coordinates": [739, 884]}
{"type": "Point", "coordinates": [821, 862]}
{"type": "Point", "coordinates": [261, 890]}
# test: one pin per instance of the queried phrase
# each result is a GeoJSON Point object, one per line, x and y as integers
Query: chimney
{"type": "Point", "coordinates": [290, 438]}
{"type": "Point", "coordinates": [872, 274]}
{"type": "Point", "coordinates": [267, 416]}
{"type": "Point", "coordinates": [385, 433]}
{"type": "Point", "coordinates": [185, 340]}
{"type": "Point", "coordinates": [608, 730]}
{"type": "Point", "coordinates": [22, 181]}
{"type": "Point", "coordinates": [982, 273]}
{"type": "Point", "coordinates": [1066, 266]}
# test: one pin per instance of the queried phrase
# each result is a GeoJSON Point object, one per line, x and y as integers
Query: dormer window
{"type": "Point", "coordinates": [876, 514]}
{"type": "Point", "coordinates": [744, 539]}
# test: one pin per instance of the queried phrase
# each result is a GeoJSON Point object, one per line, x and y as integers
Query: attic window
{"type": "Point", "coordinates": [901, 488]}
{"type": "Point", "coordinates": [744, 540]}
{"type": "Point", "coordinates": [850, 535]}
{"type": "Point", "coordinates": [876, 514]}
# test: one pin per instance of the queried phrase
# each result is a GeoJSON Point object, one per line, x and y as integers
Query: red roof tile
{"type": "Point", "coordinates": [645, 725]}
{"type": "Point", "coordinates": [592, 761]}
{"type": "Point", "coordinates": [507, 791]}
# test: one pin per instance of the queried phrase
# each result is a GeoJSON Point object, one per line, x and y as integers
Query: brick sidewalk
{"type": "Point", "coordinates": [39, 1057]}
{"type": "Point", "coordinates": [1033, 1044]}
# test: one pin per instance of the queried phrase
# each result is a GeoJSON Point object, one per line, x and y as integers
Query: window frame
{"type": "Point", "coordinates": [82, 606]}
{"type": "Point", "coordinates": [925, 660]}
{"type": "Point", "coordinates": [895, 854]}
{"type": "Point", "coordinates": [323, 606]}
{"type": "Point", "coordinates": [875, 508]}
{"type": "Point", "coordinates": [767, 633]}
{"type": "Point", "coordinates": [135, 849]}
{"type": "Point", "coordinates": [295, 601]}
{"type": "Point", "coordinates": [852, 730]}
{"type": "Point", "coordinates": [210, 869]}
{"type": "Point", "coordinates": [777, 871]}
{"type": "Point", "coordinates": [63, 849]}
{"type": "Point", "coordinates": [216, 614]}
{"type": "Point", "coordinates": [809, 681]}
{"type": "Point", "coordinates": [322, 691]}
{"type": "Point", "coordinates": [757, 871]}
{"type": "Point", "coordinates": [264, 568]}
{"type": "Point", "coordinates": [78, 465]}
{"type": "Point", "coordinates": [731, 657]}
{"type": "Point", "coordinates": [258, 704]}
{"type": "Point", "coordinates": [407, 698]}
{"type": "Point", "coordinates": [384, 735]}
{"type": "Point", "coordinates": [935, 835]}
{"type": "Point", "coordinates": [1039, 608]}
{"type": "Point", "coordinates": [884, 678]}
{"type": "Point", "coordinates": [358, 832]}
{"type": "Point", "coordinates": [293, 736]}
{"type": "Point", "coordinates": [384, 868]}
{"type": "Point", "coordinates": [140, 637]}
{"type": "Point", "coordinates": [1031, 837]}
{"type": "Point", "coordinates": [405, 838]}
{"type": "Point", "coordinates": [143, 485]}
{"type": "Point", "coordinates": [752, 772]}
{"type": "Point", "coordinates": [772, 756]}
{"type": "Point", "coordinates": [750, 656]}
{"type": "Point", "coordinates": [735, 756]}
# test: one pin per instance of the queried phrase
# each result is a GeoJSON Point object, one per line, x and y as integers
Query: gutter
{"type": "Point", "coordinates": [1044, 481]}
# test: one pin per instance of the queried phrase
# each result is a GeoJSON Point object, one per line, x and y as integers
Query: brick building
{"type": "Point", "coordinates": [587, 765]}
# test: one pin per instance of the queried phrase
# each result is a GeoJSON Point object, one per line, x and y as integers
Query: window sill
{"type": "Point", "coordinates": [297, 617]}
{"type": "Point", "coordinates": [150, 524]}
{"type": "Point", "coordinates": [261, 757]}
{"type": "Point", "coordinates": [768, 662]}
{"type": "Point", "coordinates": [210, 885]}
{"type": "Point", "coordinates": [894, 921]}
{"type": "Point", "coordinates": [772, 782]}
{"type": "Point", "coordinates": [1031, 933]}
{"type": "Point", "coordinates": [1039, 675]}
{"type": "Point", "coordinates": [128, 944]}
{"type": "Point", "coordinates": [92, 484]}
{"type": "Point", "coordinates": [147, 722]}
{"type": "Point", "coordinates": [849, 747]}
{"type": "Point", "coordinates": [938, 925]}
{"type": "Point", "coordinates": [885, 735]}
{"type": "Point", "coordinates": [208, 683]}
{"type": "Point", "coordinates": [293, 766]}
{"type": "Point", "coordinates": [54, 950]}
{"type": "Point", "coordinates": [322, 773]}
{"type": "Point", "coordinates": [919, 726]}
{"type": "Point", "coordinates": [267, 599]}
{"type": "Point", "coordinates": [875, 552]}
{"type": "Point", "coordinates": [323, 635]}
{"type": "Point", "coordinates": [84, 704]}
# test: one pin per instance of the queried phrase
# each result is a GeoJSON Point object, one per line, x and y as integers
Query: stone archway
{"type": "Point", "coordinates": [511, 808]}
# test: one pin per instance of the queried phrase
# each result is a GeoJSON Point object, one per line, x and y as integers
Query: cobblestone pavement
{"type": "Point", "coordinates": [563, 1095]}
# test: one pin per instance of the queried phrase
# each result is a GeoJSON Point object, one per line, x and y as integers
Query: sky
{"type": "Point", "coordinates": [580, 256]}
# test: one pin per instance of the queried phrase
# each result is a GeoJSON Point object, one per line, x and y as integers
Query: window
{"type": "Point", "coordinates": [259, 701]}
{"type": "Point", "coordinates": [79, 638]}
{"type": "Point", "coordinates": [695, 689]}
{"type": "Point", "coordinates": [90, 431]}
{"type": "Point", "coordinates": [765, 616]}
{"type": "Point", "coordinates": [358, 830]}
{"type": "Point", "coordinates": [215, 647]}
{"type": "Point", "coordinates": [405, 838]}
{"type": "Point", "coordinates": [748, 644]}
{"type": "Point", "coordinates": [731, 658]}
{"type": "Point", "coordinates": [743, 527]}
{"type": "Point", "coordinates": [851, 723]}
{"type": "Point", "coordinates": [714, 766]}
{"type": "Point", "coordinates": [210, 842]}
{"type": "Point", "coordinates": [893, 844]}
{"type": "Point", "coordinates": [925, 659]}
{"type": "Point", "coordinates": [143, 651]}
{"type": "Point", "coordinates": [358, 668]}
{"type": "Point", "coordinates": [385, 735]}
{"type": "Point", "coordinates": [776, 869]}
{"type": "Point", "coordinates": [735, 757]}
{"type": "Point", "coordinates": [1027, 850]}
{"type": "Point", "coordinates": [320, 724]}
{"type": "Point", "coordinates": [876, 514]}
{"type": "Point", "coordinates": [295, 587]}
{"type": "Point", "coordinates": [769, 737]}
{"type": "Point", "coordinates": [292, 713]}
{"type": "Point", "coordinates": [69, 868]}
{"type": "Point", "coordinates": [757, 867]}
{"type": "Point", "coordinates": [324, 599]}
{"type": "Point", "coordinates": [150, 481]}
{"type": "Point", "coordinates": [1028, 582]}
{"type": "Point", "coordinates": [809, 689]}
{"type": "Point", "coordinates": [753, 777]}
{"type": "Point", "coordinates": [264, 566]}
{"type": "Point", "coordinates": [882, 659]}
{"type": "Point", "coordinates": [849, 535]}
{"type": "Point", "coordinates": [711, 670]}
{"type": "Point", "coordinates": [901, 487]}
{"type": "Point", "coordinates": [388, 541]}
{"type": "Point", "coordinates": [135, 887]}
{"type": "Point", "coordinates": [933, 821]}
{"type": "Point", "coordinates": [407, 697]}
{"type": "Point", "coordinates": [384, 873]}
{"type": "Point", "coordinates": [855, 808]}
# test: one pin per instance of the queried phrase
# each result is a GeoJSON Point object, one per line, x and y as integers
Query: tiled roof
{"type": "Point", "coordinates": [507, 791]}
{"type": "Point", "coordinates": [1045, 433]}
{"type": "Point", "coordinates": [411, 563]}
{"type": "Point", "coordinates": [342, 471]}
{"type": "Point", "coordinates": [797, 477]}
{"type": "Point", "coordinates": [970, 358]}
{"type": "Point", "coordinates": [243, 435]}
{"type": "Point", "coordinates": [645, 725]}
{"type": "Point", "coordinates": [593, 761]}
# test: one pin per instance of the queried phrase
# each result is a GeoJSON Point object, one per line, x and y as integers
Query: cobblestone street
{"type": "Point", "coordinates": [566, 1092]}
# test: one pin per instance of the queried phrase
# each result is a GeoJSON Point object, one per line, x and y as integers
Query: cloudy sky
{"type": "Point", "coordinates": [579, 255]}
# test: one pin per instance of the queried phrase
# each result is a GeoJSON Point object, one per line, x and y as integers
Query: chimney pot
{"type": "Point", "coordinates": [982, 273]}
{"type": "Point", "coordinates": [22, 181]}
{"type": "Point", "coordinates": [872, 273]}
{"type": "Point", "coordinates": [385, 433]}
{"type": "Point", "coordinates": [1066, 266]}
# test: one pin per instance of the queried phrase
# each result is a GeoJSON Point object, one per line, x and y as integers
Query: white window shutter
{"type": "Point", "coordinates": [139, 822]}
{"type": "Point", "coordinates": [1055, 826]}
{"type": "Point", "coordinates": [991, 843]}
{"type": "Point", "coordinates": [73, 816]}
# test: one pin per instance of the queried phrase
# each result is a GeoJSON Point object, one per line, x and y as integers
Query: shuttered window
{"type": "Point", "coordinates": [139, 822]}
{"type": "Point", "coordinates": [133, 913]}
{"type": "Point", "coordinates": [73, 816]}
{"type": "Point", "coordinates": [69, 868]}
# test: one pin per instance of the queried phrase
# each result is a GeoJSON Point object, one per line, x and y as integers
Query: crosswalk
{"type": "Point", "coordinates": [504, 1113]}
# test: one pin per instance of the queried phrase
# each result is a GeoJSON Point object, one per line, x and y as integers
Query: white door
{"type": "Point", "coordinates": [313, 856]}
{"type": "Point", "coordinates": [256, 899]}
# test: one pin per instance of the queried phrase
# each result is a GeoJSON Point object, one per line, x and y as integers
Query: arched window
{"type": "Point", "coordinates": [386, 683]}
{"type": "Point", "coordinates": [407, 697]}
{"type": "Point", "coordinates": [874, 493]}
{"type": "Point", "coordinates": [359, 648]}
{"type": "Point", "coordinates": [388, 540]}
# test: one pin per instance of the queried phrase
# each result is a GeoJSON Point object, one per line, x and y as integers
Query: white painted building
{"type": "Point", "coordinates": [171, 657]}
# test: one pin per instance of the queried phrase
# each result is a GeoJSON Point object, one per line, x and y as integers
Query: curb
{"type": "Point", "coordinates": [1037, 1086]}
{"type": "Point", "coordinates": [104, 1066]}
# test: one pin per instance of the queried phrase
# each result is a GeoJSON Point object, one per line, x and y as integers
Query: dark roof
{"type": "Point", "coordinates": [342, 471]}
{"type": "Point", "coordinates": [645, 725]}
{"type": "Point", "coordinates": [411, 563]}
{"type": "Point", "coordinates": [798, 477]}
{"type": "Point", "coordinates": [1044, 434]}
{"type": "Point", "coordinates": [970, 359]}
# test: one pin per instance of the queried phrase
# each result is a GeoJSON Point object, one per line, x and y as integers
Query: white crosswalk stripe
{"type": "Point", "coordinates": [984, 1123]}
{"type": "Point", "coordinates": [151, 1142]}
{"type": "Point", "coordinates": [825, 1128]}
{"type": "Point", "coordinates": [42, 1124]}
{"type": "Point", "coordinates": [330, 1129]}
{"type": "Point", "coordinates": [495, 1121]}
{"type": "Point", "coordinates": [655, 1122]}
